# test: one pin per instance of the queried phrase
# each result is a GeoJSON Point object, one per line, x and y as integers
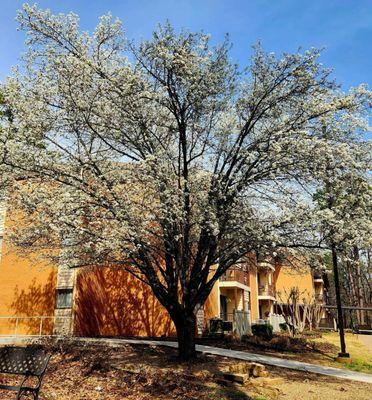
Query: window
{"type": "Point", "coordinates": [64, 298]}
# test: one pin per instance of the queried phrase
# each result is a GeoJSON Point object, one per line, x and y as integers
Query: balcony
{"type": "Point", "coordinates": [318, 277]}
{"type": "Point", "coordinates": [227, 317]}
{"type": "Point", "coordinates": [235, 275]}
{"type": "Point", "coordinates": [266, 290]}
{"type": "Point", "coordinates": [265, 266]}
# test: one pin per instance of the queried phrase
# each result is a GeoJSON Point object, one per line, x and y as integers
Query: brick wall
{"type": "Point", "coordinates": [65, 277]}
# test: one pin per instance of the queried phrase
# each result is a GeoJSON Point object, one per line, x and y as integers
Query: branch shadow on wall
{"type": "Point", "coordinates": [111, 302]}
{"type": "Point", "coordinates": [38, 300]}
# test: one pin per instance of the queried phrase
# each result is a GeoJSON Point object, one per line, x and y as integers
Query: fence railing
{"type": "Point", "coordinates": [229, 317]}
{"type": "Point", "coordinates": [241, 321]}
{"type": "Point", "coordinates": [30, 326]}
{"type": "Point", "coordinates": [235, 274]}
{"type": "Point", "coordinates": [273, 319]}
{"type": "Point", "coordinates": [356, 318]}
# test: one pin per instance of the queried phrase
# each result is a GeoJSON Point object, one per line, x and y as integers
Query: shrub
{"type": "Point", "coordinates": [245, 338]}
{"type": "Point", "coordinates": [264, 331]}
{"type": "Point", "coordinates": [312, 334]}
{"type": "Point", "coordinates": [232, 337]}
{"type": "Point", "coordinates": [281, 343]}
{"type": "Point", "coordinates": [283, 327]}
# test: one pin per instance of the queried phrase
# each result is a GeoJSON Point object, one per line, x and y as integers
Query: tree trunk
{"type": "Point", "coordinates": [186, 328]}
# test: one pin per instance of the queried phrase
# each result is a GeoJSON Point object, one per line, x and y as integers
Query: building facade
{"type": "Point", "coordinates": [38, 297]}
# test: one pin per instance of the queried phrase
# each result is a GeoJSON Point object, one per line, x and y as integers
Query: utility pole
{"type": "Point", "coordinates": [340, 317]}
{"type": "Point", "coordinates": [339, 305]}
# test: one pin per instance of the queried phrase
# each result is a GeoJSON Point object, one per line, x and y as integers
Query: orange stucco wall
{"type": "Point", "coordinates": [112, 302]}
{"type": "Point", "coordinates": [211, 306]}
{"type": "Point", "coordinates": [296, 274]}
{"type": "Point", "coordinates": [27, 288]}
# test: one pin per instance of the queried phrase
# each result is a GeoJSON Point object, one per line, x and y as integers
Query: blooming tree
{"type": "Point", "coordinates": [344, 212]}
{"type": "Point", "coordinates": [162, 157]}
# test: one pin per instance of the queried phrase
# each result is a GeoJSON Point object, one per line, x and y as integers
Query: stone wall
{"type": "Point", "coordinates": [65, 277]}
{"type": "Point", "coordinates": [63, 317]}
{"type": "Point", "coordinates": [63, 324]}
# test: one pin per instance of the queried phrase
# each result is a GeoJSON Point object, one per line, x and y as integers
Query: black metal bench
{"type": "Point", "coordinates": [28, 362]}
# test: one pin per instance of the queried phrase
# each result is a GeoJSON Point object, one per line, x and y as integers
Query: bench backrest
{"type": "Point", "coordinates": [23, 361]}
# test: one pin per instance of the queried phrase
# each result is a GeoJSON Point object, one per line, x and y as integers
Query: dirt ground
{"type": "Point", "coordinates": [144, 373]}
{"type": "Point", "coordinates": [305, 386]}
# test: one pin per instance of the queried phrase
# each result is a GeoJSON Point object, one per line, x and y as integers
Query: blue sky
{"type": "Point", "coordinates": [343, 27]}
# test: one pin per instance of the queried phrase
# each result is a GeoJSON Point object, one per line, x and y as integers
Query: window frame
{"type": "Point", "coordinates": [67, 302]}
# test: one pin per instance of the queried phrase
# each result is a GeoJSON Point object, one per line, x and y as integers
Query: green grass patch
{"type": "Point", "coordinates": [360, 366]}
{"type": "Point", "coordinates": [361, 356]}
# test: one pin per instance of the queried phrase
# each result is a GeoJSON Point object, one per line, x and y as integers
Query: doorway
{"type": "Point", "coordinates": [223, 307]}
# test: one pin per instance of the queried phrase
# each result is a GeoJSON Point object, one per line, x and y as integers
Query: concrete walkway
{"type": "Point", "coordinates": [240, 355]}
{"type": "Point", "coordinates": [366, 340]}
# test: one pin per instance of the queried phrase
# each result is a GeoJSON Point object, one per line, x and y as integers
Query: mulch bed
{"type": "Point", "coordinates": [128, 372]}
{"type": "Point", "coordinates": [91, 372]}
